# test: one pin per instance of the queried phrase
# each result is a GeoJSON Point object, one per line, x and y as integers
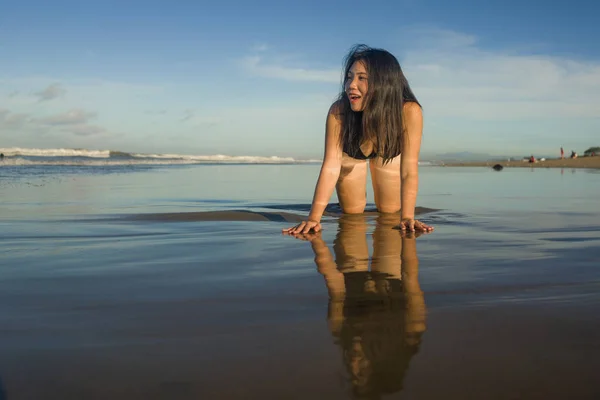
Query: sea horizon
{"type": "Point", "coordinates": [28, 155]}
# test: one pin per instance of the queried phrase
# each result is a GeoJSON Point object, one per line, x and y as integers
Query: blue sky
{"type": "Point", "coordinates": [256, 78]}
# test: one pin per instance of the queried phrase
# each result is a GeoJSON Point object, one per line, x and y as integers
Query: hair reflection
{"type": "Point", "coordinates": [376, 314]}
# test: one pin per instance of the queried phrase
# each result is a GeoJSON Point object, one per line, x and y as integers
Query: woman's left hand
{"type": "Point", "coordinates": [308, 237]}
{"type": "Point", "coordinates": [413, 225]}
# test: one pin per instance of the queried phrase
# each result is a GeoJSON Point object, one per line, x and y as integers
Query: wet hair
{"type": "Point", "coordinates": [381, 119]}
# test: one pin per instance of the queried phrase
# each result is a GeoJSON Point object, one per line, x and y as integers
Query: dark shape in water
{"type": "Point", "coordinates": [498, 167]}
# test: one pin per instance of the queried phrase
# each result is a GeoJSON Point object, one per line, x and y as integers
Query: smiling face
{"type": "Point", "coordinates": [356, 86]}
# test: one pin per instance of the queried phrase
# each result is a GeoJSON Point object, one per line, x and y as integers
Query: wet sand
{"type": "Point", "coordinates": [234, 310]}
{"type": "Point", "coordinates": [148, 286]}
{"type": "Point", "coordinates": [465, 353]}
{"type": "Point", "coordinates": [580, 162]}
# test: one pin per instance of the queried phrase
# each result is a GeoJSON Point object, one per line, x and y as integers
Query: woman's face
{"type": "Point", "coordinates": [356, 86]}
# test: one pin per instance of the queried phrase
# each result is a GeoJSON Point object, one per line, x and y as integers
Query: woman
{"type": "Point", "coordinates": [377, 119]}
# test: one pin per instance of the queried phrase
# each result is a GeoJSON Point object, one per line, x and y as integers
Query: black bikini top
{"type": "Point", "coordinates": [354, 151]}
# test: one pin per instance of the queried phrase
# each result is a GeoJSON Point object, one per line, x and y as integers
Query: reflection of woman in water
{"type": "Point", "coordinates": [376, 315]}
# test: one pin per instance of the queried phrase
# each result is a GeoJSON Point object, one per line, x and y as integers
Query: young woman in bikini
{"type": "Point", "coordinates": [376, 120]}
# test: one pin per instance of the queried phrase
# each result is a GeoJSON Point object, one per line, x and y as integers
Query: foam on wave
{"type": "Point", "coordinates": [107, 162]}
{"type": "Point", "coordinates": [18, 151]}
{"type": "Point", "coordinates": [124, 158]}
{"type": "Point", "coordinates": [218, 158]}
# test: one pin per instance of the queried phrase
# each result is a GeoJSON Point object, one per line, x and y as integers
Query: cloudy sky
{"type": "Point", "coordinates": [256, 78]}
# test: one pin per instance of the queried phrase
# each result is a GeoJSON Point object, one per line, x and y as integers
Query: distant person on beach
{"type": "Point", "coordinates": [562, 153]}
{"type": "Point", "coordinates": [376, 123]}
{"type": "Point", "coordinates": [573, 154]}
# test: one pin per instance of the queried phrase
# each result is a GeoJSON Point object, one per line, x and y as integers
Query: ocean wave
{"type": "Point", "coordinates": [27, 156]}
{"type": "Point", "coordinates": [219, 158]}
{"type": "Point", "coordinates": [25, 152]}
{"type": "Point", "coordinates": [18, 161]}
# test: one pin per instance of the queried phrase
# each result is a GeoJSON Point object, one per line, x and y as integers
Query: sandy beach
{"type": "Point", "coordinates": [177, 283]}
{"type": "Point", "coordinates": [580, 162]}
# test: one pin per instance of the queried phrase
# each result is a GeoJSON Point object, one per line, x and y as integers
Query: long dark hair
{"type": "Point", "coordinates": [381, 119]}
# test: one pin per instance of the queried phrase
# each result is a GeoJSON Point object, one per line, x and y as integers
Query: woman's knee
{"type": "Point", "coordinates": [354, 209]}
{"type": "Point", "coordinates": [388, 208]}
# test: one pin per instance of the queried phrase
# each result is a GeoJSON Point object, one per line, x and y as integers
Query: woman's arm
{"type": "Point", "coordinates": [328, 176]}
{"type": "Point", "coordinates": [330, 169]}
{"type": "Point", "coordinates": [409, 166]}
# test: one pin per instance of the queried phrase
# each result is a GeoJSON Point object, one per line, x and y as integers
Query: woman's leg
{"type": "Point", "coordinates": [350, 244]}
{"type": "Point", "coordinates": [387, 247]}
{"type": "Point", "coordinates": [386, 184]}
{"type": "Point", "coordinates": [351, 185]}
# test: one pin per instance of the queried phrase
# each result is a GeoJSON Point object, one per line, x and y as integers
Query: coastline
{"type": "Point", "coordinates": [580, 162]}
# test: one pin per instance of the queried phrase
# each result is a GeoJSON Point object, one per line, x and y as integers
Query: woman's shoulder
{"type": "Point", "coordinates": [337, 108]}
{"type": "Point", "coordinates": [412, 108]}
{"type": "Point", "coordinates": [336, 111]}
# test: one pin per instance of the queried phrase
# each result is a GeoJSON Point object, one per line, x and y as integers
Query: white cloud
{"type": "Point", "coordinates": [432, 37]}
{"type": "Point", "coordinates": [12, 120]}
{"type": "Point", "coordinates": [187, 115]}
{"type": "Point", "coordinates": [84, 130]}
{"type": "Point", "coordinates": [475, 97]}
{"type": "Point", "coordinates": [51, 92]}
{"type": "Point", "coordinates": [196, 119]}
{"type": "Point", "coordinates": [94, 111]}
{"type": "Point", "coordinates": [74, 122]}
{"type": "Point", "coordinates": [257, 66]}
{"type": "Point", "coordinates": [260, 47]}
{"type": "Point", "coordinates": [453, 76]}
{"type": "Point", "coordinates": [155, 112]}
{"type": "Point", "coordinates": [71, 117]}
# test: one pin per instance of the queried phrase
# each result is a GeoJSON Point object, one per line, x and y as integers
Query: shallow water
{"type": "Point", "coordinates": [501, 301]}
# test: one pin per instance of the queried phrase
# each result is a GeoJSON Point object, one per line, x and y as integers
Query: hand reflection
{"type": "Point", "coordinates": [376, 314]}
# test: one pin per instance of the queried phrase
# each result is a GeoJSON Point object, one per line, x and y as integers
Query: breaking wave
{"type": "Point", "coordinates": [26, 156]}
{"type": "Point", "coordinates": [18, 151]}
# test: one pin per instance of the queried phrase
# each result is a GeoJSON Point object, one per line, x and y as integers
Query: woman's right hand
{"type": "Point", "coordinates": [304, 227]}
